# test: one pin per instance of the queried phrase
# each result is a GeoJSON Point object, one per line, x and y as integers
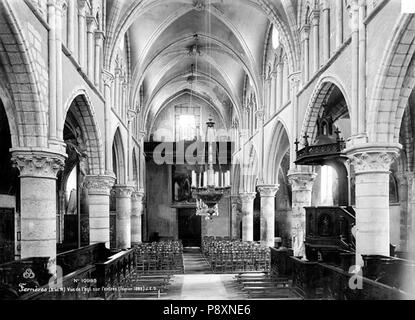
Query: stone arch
{"type": "Point", "coordinates": [11, 112]}
{"type": "Point", "coordinates": [279, 146]}
{"type": "Point", "coordinates": [119, 165]}
{"type": "Point", "coordinates": [79, 105]}
{"type": "Point", "coordinates": [394, 84]}
{"type": "Point", "coordinates": [324, 88]}
{"type": "Point", "coordinates": [23, 83]}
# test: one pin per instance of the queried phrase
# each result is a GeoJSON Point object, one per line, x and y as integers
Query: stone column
{"type": "Point", "coordinates": [326, 29]}
{"type": "Point", "coordinates": [82, 4]}
{"type": "Point", "coordinates": [52, 71]}
{"type": "Point", "coordinates": [268, 193]}
{"type": "Point", "coordinates": [410, 226]}
{"type": "Point", "coordinates": [38, 170]}
{"type": "Point", "coordinates": [279, 85]}
{"type": "Point", "coordinates": [116, 89]}
{"type": "Point", "coordinates": [136, 217]}
{"type": "Point", "coordinates": [315, 22]}
{"type": "Point", "coordinates": [371, 165]}
{"type": "Point", "coordinates": [108, 80]}
{"type": "Point", "coordinates": [99, 188]}
{"type": "Point", "coordinates": [92, 23]}
{"type": "Point", "coordinates": [71, 26]}
{"type": "Point", "coordinates": [294, 79]}
{"type": "Point", "coordinates": [286, 84]}
{"type": "Point", "coordinates": [301, 184]}
{"type": "Point", "coordinates": [339, 23]}
{"type": "Point", "coordinates": [247, 200]}
{"type": "Point", "coordinates": [123, 220]}
{"type": "Point", "coordinates": [235, 217]}
{"type": "Point", "coordinates": [403, 189]}
{"type": "Point", "coordinates": [354, 16]}
{"type": "Point", "coordinates": [305, 38]}
{"type": "Point", "coordinates": [59, 71]}
{"type": "Point", "coordinates": [273, 93]}
{"type": "Point", "coordinates": [99, 43]}
{"type": "Point", "coordinates": [362, 67]}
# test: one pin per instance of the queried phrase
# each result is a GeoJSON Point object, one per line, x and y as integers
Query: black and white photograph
{"type": "Point", "coordinates": [219, 152]}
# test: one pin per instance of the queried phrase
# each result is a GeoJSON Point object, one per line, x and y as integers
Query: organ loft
{"type": "Point", "coordinates": [207, 149]}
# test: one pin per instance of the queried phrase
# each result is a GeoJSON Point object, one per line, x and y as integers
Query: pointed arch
{"type": "Point", "coordinates": [79, 107]}
{"type": "Point", "coordinates": [394, 84]}
{"type": "Point", "coordinates": [15, 58]}
{"type": "Point", "coordinates": [278, 147]}
{"type": "Point", "coordinates": [322, 91]}
{"type": "Point", "coordinates": [118, 158]}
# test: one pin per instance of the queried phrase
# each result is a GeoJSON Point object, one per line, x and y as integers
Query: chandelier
{"type": "Point", "coordinates": [208, 185]}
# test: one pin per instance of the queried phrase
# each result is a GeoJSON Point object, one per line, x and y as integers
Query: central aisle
{"type": "Point", "coordinates": [199, 282]}
{"type": "Point", "coordinates": [194, 262]}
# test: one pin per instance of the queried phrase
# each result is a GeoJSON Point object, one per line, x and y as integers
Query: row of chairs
{"type": "Point", "coordinates": [235, 256]}
{"type": "Point", "coordinates": [159, 257]}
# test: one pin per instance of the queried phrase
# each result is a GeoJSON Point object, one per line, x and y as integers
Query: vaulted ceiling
{"type": "Point", "coordinates": [224, 40]}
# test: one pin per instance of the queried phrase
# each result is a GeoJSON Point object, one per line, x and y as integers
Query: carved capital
{"type": "Point", "coordinates": [305, 32]}
{"type": "Point", "coordinates": [372, 159]}
{"type": "Point", "coordinates": [138, 196]}
{"type": "Point", "coordinates": [123, 191]}
{"type": "Point", "coordinates": [247, 197]}
{"type": "Point", "coordinates": [131, 114]}
{"type": "Point", "coordinates": [301, 181]}
{"type": "Point", "coordinates": [99, 36]}
{"type": "Point", "coordinates": [82, 4]}
{"type": "Point", "coordinates": [107, 77]}
{"type": "Point", "coordinates": [260, 114]}
{"type": "Point", "coordinates": [141, 135]}
{"type": "Point", "coordinates": [295, 78]}
{"type": "Point", "coordinates": [99, 184]}
{"type": "Point", "coordinates": [268, 190]}
{"type": "Point", "coordinates": [315, 18]}
{"type": "Point", "coordinates": [91, 23]}
{"type": "Point", "coordinates": [38, 163]}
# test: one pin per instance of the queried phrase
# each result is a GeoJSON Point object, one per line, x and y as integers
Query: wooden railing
{"type": "Point", "coordinates": [315, 154]}
{"type": "Point", "coordinates": [87, 272]}
{"type": "Point", "coordinates": [313, 280]}
{"type": "Point", "coordinates": [341, 285]}
{"type": "Point", "coordinates": [73, 260]}
{"type": "Point", "coordinates": [281, 264]}
{"type": "Point", "coordinates": [391, 271]}
{"type": "Point", "coordinates": [114, 273]}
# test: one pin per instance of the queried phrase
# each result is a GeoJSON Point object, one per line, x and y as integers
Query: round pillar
{"type": "Point", "coordinates": [235, 217]}
{"type": "Point", "coordinates": [301, 184]}
{"type": "Point", "coordinates": [371, 165]}
{"type": "Point", "coordinates": [136, 217]}
{"type": "Point", "coordinates": [99, 188]}
{"type": "Point", "coordinates": [38, 170]}
{"type": "Point", "coordinates": [247, 200]}
{"type": "Point", "coordinates": [123, 218]}
{"type": "Point", "coordinates": [268, 193]}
